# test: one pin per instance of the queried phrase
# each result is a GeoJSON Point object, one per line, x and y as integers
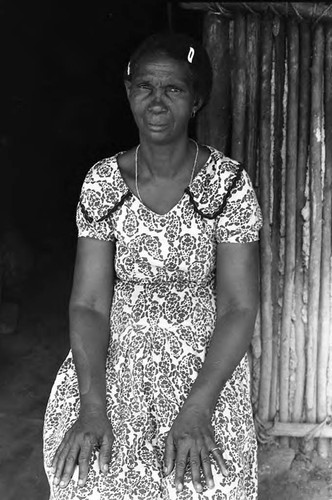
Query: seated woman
{"type": "Point", "coordinates": [153, 400]}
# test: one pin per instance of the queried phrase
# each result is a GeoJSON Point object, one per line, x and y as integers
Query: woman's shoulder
{"type": "Point", "coordinates": [103, 189]}
{"type": "Point", "coordinates": [218, 179]}
{"type": "Point", "coordinates": [220, 164]}
{"type": "Point", "coordinates": [216, 173]}
{"type": "Point", "coordinates": [103, 170]}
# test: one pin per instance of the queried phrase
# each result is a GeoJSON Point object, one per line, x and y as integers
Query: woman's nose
{"type": "Point", "coordinates": [157, 103]}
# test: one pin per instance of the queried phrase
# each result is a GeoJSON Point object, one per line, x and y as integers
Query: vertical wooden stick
{"type": "Point", "coordinates": [304, 115]}
{"type": "Point", "coordinates": [315, 221]}
{"type": "Point", "coordinates": [277, 161]}
{"type": "Point", "coordinates": [252, 95]}
{"type": "Point", "coordinates": [214, 120]}
{"type": "Point", "coordinates": [239, 89]}
{"type": "Point", "coordinates": [291, 162]}
{"type": "Point", "coordinates": [266, 252]}
{"type": "Point", "coordinates": [324, 313]}
{"type": "Point", "coordinates": [329, 368]}
{"type": "Point", "coordinates": [256, 351]}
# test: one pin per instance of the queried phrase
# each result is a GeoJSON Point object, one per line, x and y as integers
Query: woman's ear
{"type": "Point", "coordinates": [197, 104]}
{"type": "Point", "coordinates": [128, 87]}
{"type": "Point", "coordinates": [196, 107]}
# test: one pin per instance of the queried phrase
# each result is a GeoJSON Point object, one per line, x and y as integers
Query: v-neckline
{"type": "Point", "coordinates": [175, 207]}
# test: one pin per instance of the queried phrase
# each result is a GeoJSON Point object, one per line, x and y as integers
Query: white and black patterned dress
{"type": "Point", "coordinates": [162, 318]}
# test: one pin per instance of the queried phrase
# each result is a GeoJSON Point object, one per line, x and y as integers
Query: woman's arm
{"type": "Point", "coordinates": [191, 435]}
{"type": "Point", "coordinates": [89, 310]}
{"type": "Point", "coordinates": [89, 336]}
{"type": "Point", "coordinates": [237, 300]}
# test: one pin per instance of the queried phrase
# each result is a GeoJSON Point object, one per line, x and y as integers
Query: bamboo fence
{"type": "Point", "coordinates": [275, 61]}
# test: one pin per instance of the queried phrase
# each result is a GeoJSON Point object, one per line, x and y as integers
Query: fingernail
{"type": "Point", "coordinates": [226, 472]}
{"type": "Point", "coordinates": [165, 470]}
{"type": "Point", "coordinates": [62, 484]}
{"type": "Point", "coordinates": [210, 485]}
{"type": "Point", "coordinates": [199, 488]}
{"type": "Point", "coordinates": [80, 482]}
{"type": "Point", "coordinates": [105, 468]}
{"type": "Point", "coordinates": [56, 481]}
{"type": "Point", "coordinates": [179, 487]}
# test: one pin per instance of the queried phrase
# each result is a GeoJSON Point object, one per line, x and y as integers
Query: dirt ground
{"type": "Point", "coordinates": [29, 362]}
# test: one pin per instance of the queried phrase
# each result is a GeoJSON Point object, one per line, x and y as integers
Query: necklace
{"type": "Point", "coordinates": [136, 169]}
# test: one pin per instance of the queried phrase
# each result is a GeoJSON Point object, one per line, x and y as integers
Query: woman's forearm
{"type": "Point", "coordinates": [228, 345]}
{"type": "Point", "coordinates": [89, 336]}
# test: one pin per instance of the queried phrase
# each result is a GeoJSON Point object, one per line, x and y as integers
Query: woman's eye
{"type": "Point", "coordinates": [174, 90]}
{"type": "Point", "coordinates": [144, 86]}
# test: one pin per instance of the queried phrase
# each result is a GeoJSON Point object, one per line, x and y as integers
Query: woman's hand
{"type": "Point", "coordinates": [191, 439]}
{"type": "Point", "coordinates": [92, 429]}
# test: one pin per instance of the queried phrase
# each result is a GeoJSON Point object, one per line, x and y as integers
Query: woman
{"type": "Point", "coordinates": [164, 296]}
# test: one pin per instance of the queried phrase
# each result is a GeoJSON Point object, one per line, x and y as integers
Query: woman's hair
{"type": "Point", "coordinates": [182, 48]}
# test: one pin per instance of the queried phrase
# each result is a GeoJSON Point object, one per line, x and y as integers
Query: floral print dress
{"type": "Point", "coordinates": [162, 318]}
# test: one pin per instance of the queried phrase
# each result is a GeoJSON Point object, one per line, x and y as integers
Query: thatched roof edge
{"type": "Point", "coordinates": [310, 11]}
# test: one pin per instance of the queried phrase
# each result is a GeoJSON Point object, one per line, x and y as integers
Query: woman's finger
{"type": "Point", "coordinates": [217, 454]}
{"type": "Point", "coordinates": [59, 450]}
{"type": "Point", "coordinates": [61, 462]}
{"type": "Point", "coordinates": [206, 467]}
{"type": "Point", "coordinates": [105, 453]}
{"type": "Point", "coordinates": [169, 455]}
{"type": "Point", "coordinates": [195, 467]}
{"type": "Point", "coordinates": [180, 466]}
{"type": "Point", "coordinates": [69, 465]}
{"type": "Point", "coordinates": [84, 459]}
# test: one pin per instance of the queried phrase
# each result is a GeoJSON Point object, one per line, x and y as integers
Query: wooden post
{"type": "Point", "coordinates": [252, 96]}
{"type": "Point", "coordinates": [290, 210]}
{"type": "Point", "coordinates": [266, 252]}
{"type": "Point", "coordinates": [214, 120]}
{"type": "Point", "coordinates": [292, 429]}
{"type": "Point", "coordinates": [277, 163]}
{"type": "Point", "coordinates": [328, 164]}
{"type": "Point", "coordinates": [239, 89]}
{"type": "Point", "coordinates": [324, 316]}
{"type": "Point", "coordinates": [315, 221]}
{"type": "Point", "coordinates": [304, 115]}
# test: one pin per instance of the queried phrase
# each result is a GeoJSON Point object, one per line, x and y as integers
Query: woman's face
{"type": "Point", "coordinates": [161, 99]}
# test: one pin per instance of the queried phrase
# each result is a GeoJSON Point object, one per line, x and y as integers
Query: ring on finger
{"type": "Point", "coordinates": [215, 449]}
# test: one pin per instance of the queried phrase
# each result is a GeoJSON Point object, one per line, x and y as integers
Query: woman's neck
{"type": "Point", "coordinates": [164, 160]}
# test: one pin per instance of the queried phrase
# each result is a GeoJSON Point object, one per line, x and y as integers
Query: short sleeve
{"type": "Point", "coordinates": [100, 230]}
{"type": "Point", "coordinates": [241, 219]}
{"type": "Point", "coordinates": [91, 208]}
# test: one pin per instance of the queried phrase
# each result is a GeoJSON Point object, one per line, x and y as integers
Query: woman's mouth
{"type": "Point", "coordinates": [157, 126]}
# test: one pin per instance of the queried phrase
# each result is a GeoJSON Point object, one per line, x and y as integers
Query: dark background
{"type": "Point", "coordinates": [62, 108]}
{"type": "Point", "coordinates": [63, 101]}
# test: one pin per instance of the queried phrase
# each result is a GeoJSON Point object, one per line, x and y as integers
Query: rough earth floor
{"type": "Point", "coordinates": [29, 360]}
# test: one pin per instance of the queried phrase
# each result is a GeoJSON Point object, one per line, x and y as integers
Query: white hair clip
{"type": "Point", "coordinates": [128, 69]}
{"type": "Point", "coordinates": [191, 54]}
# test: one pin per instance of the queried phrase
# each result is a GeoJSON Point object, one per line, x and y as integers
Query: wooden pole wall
{"type": "Point", "coordinates": [281, 127]}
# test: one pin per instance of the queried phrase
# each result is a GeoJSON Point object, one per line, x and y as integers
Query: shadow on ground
{"type": "Point", "coordinates": [30, 359]}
